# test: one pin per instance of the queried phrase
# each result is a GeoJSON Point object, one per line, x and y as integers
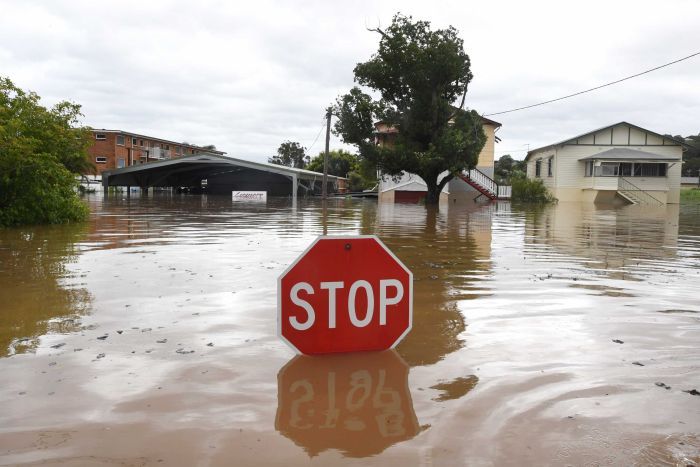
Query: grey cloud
{"type": "Point", "coordinates": [247, 76]}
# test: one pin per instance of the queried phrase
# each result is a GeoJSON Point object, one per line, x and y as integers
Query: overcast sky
{"type": "Point", "coordinates": [246, 77]}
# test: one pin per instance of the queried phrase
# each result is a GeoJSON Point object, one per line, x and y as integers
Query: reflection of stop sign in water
{"type": "Point", "coordinates": [357, 403]}
{"type": "Point", "coordinates": [345, 294]}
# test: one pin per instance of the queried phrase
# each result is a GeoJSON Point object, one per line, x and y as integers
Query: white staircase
{"type": "Point", "coordinates": [634, 194]}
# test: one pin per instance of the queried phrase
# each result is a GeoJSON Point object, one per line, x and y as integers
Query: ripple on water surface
{"type": "Point", "coordinates": [559, 335]}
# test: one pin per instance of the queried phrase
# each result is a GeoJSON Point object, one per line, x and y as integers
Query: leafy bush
{"type": "Point", "coordinates": [41, 150]}
{"type": "Point", "coordinates": [37, 189]}
{"type": "Point", "coordinates": [530, 191]}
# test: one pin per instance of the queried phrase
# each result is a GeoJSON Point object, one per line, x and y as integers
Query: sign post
{"type": "Point", "coordinates": [345, 294]}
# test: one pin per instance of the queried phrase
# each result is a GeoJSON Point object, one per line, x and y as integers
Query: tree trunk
{"type": "Point", "coordinates": [433, 195]}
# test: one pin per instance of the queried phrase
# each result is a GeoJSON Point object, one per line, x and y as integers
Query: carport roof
{"type": "Point", "coordinates": [625, 154]}
{"type": "Point", "coordinates": [219, 160]}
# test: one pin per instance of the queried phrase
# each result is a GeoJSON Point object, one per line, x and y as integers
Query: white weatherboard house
{"type": "Point", "coordinates": [620, 163]}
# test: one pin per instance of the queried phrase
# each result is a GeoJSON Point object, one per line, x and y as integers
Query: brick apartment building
{"type": "Point", "coordinates": [113, 149]}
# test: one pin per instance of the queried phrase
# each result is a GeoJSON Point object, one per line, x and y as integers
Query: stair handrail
{"type": "Point", "coordinates": [482, 179]}
{"type": "Point", "coordinates": [626, 185]}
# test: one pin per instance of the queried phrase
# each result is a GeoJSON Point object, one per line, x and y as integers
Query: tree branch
{"type": "Point", "coordinates": [461, 104]}
{"type": "Point", "coordinates": [445, 181]}
{"type": "Point", "coordinates": [377, 30]}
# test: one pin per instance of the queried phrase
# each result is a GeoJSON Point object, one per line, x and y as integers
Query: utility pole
{"type": "Point", "coordinates": [324, 187]}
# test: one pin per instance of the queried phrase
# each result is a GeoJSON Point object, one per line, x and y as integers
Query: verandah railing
{"type": "Point", "coordinates": [625, 185]}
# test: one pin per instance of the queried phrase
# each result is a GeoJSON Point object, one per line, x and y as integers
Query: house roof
{"type": "Point", "coordinates": [626, 154]}
{"type": "Point", "coordinates": [532, 151]}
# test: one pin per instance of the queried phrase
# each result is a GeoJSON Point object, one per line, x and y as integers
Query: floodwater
{"type": "Point", "coordinates": [564, 335]}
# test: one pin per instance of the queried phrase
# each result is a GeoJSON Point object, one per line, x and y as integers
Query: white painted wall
{"type": "Point", "coordinates": [569, 177]}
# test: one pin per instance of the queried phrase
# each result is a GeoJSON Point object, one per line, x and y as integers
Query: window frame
{"type": "Point", "coordinates": [123, 143]}
{"type": "Point", "coordinates": [98, 161]}
{"type": "Point", "coordinates": [538, 168]}
{"type": "Point", "coordinates": [100, 137]}
{"type": "Point", "coordinates": [549, 166]}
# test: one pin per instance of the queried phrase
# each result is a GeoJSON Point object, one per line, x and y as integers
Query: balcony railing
{"type": "Point", "coordinates": [155, 153]}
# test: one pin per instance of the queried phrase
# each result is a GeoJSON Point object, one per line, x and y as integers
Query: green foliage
{"type": "Point", "coordinates": [506, 168]}
{"type": "Point", "coordinates": [690, 196]}
{"type": "Point", "coordinates": [527, 190]}
{"type": "Point", "coordinates": [41, 151]}
{"type": "Point", "coordinates": [291, 154]}
{"type": "Point", "coordinates": [691, 155]}
{"type": "Point", "coordinates": [420, 74]}
{"type": "Point", "coordinates": [341, 163]}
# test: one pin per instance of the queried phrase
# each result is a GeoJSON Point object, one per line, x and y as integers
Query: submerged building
{"type": "Point", "coordinates": [476, 183]}
{"type": "Point", "coordinates": [617, 164]}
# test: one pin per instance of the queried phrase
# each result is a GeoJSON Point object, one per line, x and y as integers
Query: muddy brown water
{"type": "Point", "coordinates": [565, 335]}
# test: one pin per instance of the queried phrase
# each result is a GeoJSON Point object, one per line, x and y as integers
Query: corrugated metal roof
{"type": "Point", "coordinates": [626, 154]}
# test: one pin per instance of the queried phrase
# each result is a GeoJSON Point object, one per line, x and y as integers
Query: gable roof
{"type": "Point", "coordinates": [560, 143]}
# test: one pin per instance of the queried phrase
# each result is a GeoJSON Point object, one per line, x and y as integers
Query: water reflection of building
{"type": "Point", "coordinates": [616, 240]}
{"type": "Point", "coordinates": [36, 300]}
{"type": "Point", "coordinates": [449, 253]}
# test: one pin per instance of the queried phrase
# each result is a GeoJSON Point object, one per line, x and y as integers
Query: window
{"type": "Point", "coordinates": [538, 167]}
{"type": "Point", "coordinates": [167, 147]}
{"type": "Point", "coordinates": [549, 166]}
{"type": "Point", "coordinates": [652, 170]}
{"type": "Point", "coordinates": [120, 140]}
{"type": "Point", "coordinates": [589, 169]}
{"type": "Point", "coordinates": [141, 143]}
{"type": "Point", "coordinates": [100, 160]}
{"type": "Point", "coordinates": [178, 150]}
{"type": "Point", "coordinates": [608, 169]}
{"type": "Point", "coordinates": [100, 136]}
{"type": "Point", "coordinates": [133, 141]}
{"type": "Point", "coordinates": [121, 163]}
{"type": "Point", "coordinates": [625, 169]}
{"type": "Point", "coordinates": [628, 169]}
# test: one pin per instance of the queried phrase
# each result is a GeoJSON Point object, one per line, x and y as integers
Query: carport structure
{"type": "Point", "coordinates": [223, 174]}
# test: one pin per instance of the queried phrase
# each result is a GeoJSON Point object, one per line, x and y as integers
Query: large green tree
{"type": "Point", "coordinates": [691, 155]}
{"type": "Point", "coordinates": [422, 77]}
{"type": "Point", "coordinates": [507, 168]}
{"type": "Point", "coordinates": [360, 172]}
{"type": "Point", "coordinates": [41, 152]}
{"type": "Point", "coordinates": [291, 154]}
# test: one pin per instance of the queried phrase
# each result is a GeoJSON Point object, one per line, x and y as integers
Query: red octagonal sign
{"type": "Point", "coordinates": [345, 294]}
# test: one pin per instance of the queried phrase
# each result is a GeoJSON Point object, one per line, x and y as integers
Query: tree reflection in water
{"type": "Point", "coordinates": [33, 270]}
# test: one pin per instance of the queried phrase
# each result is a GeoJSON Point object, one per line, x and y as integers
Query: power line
{"type": "Point", "coordinates": [595, 88]}
{"type": "Point", "coordinates": [319, 134]}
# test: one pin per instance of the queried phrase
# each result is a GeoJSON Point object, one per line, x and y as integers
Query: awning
{"type": "Point", "coordinates": [630, 155]}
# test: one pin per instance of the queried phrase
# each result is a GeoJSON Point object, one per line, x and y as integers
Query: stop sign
{"type": "Point", "coordinates": [345, 294]}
